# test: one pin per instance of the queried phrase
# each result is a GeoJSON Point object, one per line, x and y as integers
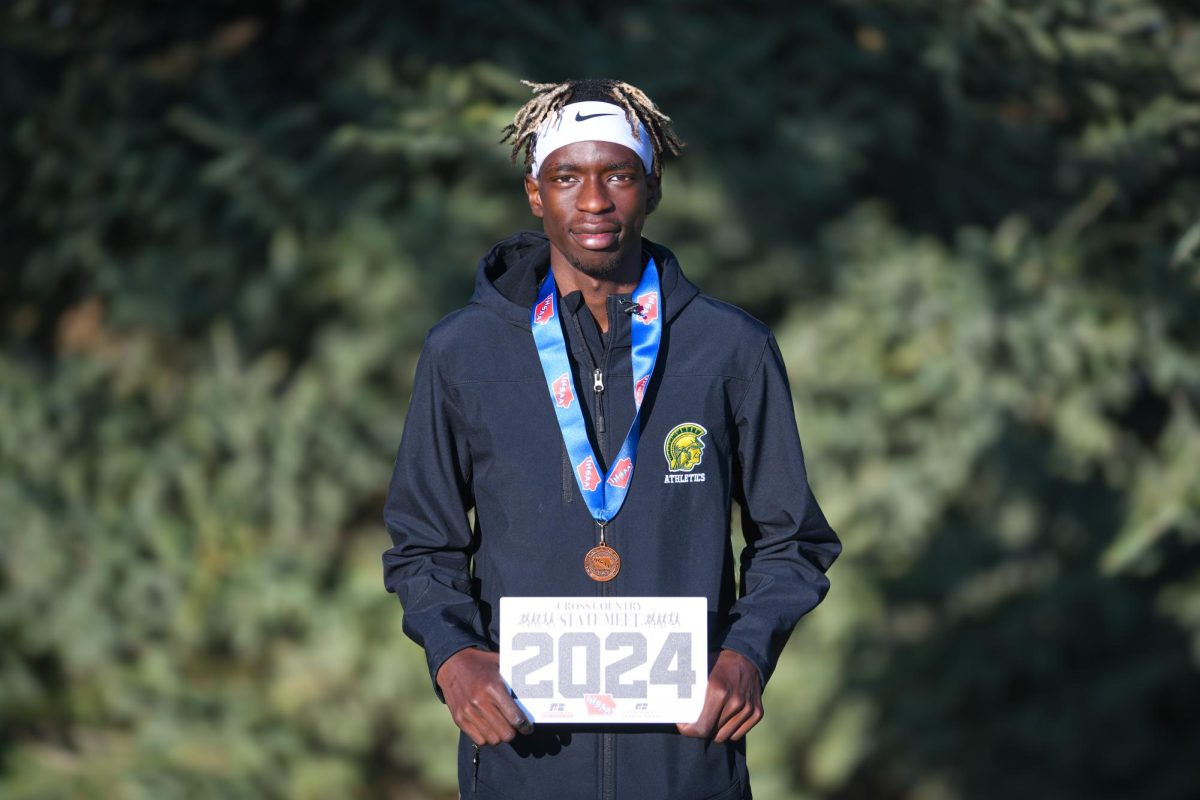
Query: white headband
{"type": "Point", "coordinates": [591, 121]}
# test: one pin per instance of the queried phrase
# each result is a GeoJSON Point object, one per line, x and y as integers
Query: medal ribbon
{"type": "Point", "coordinates": [603, 493]}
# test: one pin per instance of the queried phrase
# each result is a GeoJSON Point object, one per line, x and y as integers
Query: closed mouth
{"type": "Point", "coordinates": [596, 237]}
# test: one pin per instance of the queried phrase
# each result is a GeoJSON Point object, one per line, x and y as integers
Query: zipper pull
{"type": "Point", "coordinates": [475, 763]}
{"type": "Point", "coordinates": [598, 388]}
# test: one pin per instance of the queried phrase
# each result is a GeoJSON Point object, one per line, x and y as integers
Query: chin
{"type": "Point", "coordinates": [601, 268]}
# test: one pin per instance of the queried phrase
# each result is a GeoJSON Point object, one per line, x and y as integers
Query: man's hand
{"type": "Point", "coordinates": [732, 702]}
{"type": "Point", "coordinates": [478, 699]}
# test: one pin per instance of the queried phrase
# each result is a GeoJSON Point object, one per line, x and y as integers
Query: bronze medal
{"type": "Point", "coordinates": [602, 563]}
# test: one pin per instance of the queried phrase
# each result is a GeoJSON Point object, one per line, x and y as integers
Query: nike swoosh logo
{"type": "Point", "coordinates": [581, 118]}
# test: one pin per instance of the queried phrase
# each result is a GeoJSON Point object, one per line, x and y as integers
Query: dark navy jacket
{"type": "Point", "coordinates": [481, 433]}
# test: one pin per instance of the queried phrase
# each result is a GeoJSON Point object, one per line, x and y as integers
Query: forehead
{"type": "Point", "coordinates": [592, 154]}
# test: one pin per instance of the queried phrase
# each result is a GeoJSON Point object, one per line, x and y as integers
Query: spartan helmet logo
{"type": "Point", "coordinates": [684, 447]}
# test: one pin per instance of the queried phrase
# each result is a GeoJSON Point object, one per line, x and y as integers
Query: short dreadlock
{"type": "Point", "coordinates": [549, 99]}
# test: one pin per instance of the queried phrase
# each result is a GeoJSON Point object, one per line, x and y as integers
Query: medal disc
{"type": "Point", "coordinates": [602, 563]}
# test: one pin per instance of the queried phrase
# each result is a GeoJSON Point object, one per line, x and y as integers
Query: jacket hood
{"type": "Point", "coordinates": [507, 278]}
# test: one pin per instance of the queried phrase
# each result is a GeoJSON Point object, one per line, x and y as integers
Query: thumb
{"type": "Point", "coordinates": [703, 724]}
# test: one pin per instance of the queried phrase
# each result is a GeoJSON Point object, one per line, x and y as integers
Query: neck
{"type": "Point", "coordinates": [595, 290]}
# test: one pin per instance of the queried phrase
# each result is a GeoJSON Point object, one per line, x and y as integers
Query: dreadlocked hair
{"type": "Point", "coordinates": [550, 98]}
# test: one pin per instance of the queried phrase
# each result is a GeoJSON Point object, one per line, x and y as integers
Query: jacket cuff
{"type": "Point", "coordinates": [436, 658]}
{"type": "Point", "coordinates": [760, 663]}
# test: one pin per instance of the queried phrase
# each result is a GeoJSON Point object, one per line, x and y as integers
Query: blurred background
{"type": "Point", "coordinates": [227, 226]}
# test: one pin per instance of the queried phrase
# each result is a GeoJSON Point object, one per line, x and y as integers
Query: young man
{"type": "Point", "coordinates": [591, 316]}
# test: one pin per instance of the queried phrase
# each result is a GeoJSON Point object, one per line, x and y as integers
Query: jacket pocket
{"type": "Point", "coordinates": [735, 792]}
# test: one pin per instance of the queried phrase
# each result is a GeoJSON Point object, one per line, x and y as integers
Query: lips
{"type": "Point", "coordinates": [596, 237]}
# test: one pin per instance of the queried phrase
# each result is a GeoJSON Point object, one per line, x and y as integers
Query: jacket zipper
{"type": "Point", "coordinates": [597, 384]}
{"type": "Point", "coordinates": [598, 390]}
{"type": "Point", "coordinates": [607, 740]}
{"type": "Point", "coordinates": [475, 766]}
{"type": "Point", "coordinates": [608, 762]}
{"type": "Point", "coordinates": [598, 378]}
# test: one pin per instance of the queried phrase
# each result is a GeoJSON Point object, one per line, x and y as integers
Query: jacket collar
{"type": "Point", "coordinates": [507, 278]}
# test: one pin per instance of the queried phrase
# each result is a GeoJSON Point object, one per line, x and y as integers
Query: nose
{"type": "Point", "coordinates": [593, 196]}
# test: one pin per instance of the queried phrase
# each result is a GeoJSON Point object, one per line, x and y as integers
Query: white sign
{"type": "Point", "coordinates": [605, 659]}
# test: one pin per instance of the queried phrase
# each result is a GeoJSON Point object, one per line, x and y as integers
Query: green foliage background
{"type": "Point", "coordinates": [226, 227]}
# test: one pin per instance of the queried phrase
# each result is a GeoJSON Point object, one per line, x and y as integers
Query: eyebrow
{"type": "Point", "coordinates": [613, 167]}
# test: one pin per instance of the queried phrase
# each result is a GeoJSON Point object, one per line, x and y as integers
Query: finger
{"type": "Point", "coordinates": [704, 724]}
{"type": "Point", "coordinates": [499, 731]}
{"type": "Point", "coordinates": [489, 721]}
{"type": "Point", "coordinates": [513, 715]}
{"type": "Point", "coordinates": [746, 726]}
{"type": "Point", "coordinates": [698, 729]}
{"type": "Point", "coordinates": [732, 722]}
{"type": "Point", "coordinates": [472, 731]}
{"type": "Point", "coordinates": [753, 719]}
{"type": "Point", "coordinates": [502, 720]}
{"type": "Point", "coordinates": [464, 718]}
{"type": "Point", "coordinates": [734, 706]}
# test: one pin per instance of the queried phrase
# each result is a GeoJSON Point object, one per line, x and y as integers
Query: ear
{"type": "Point", "coordinates": [534, 194]}
{"type": "Point", "coordinates": [653, 193]}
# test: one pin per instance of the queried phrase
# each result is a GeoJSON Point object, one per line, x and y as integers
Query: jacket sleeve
{"type": "Point", "coordinates": [789, 545]}
{"type": "Point", "coordinates": [428, 565]}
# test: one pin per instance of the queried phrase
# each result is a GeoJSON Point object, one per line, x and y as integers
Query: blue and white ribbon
{"type": "Point", "coordinates": [603, 493]}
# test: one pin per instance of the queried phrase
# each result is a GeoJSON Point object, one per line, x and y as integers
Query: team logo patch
{"type": "Point", "coordinates": [621, 473]}
{"type": "Point", "coordinates": [544, 311]}
{"type": "Point", "coordinates": [684, 447]}
{"type": "Point", "coordinates": [589, 476]}
{"type": "Point", "coordinates": [648, 303]}
{"type": "Point", "coordinates": [563, 395]}
{"type": "Point", "coordinates": [639, 389]}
